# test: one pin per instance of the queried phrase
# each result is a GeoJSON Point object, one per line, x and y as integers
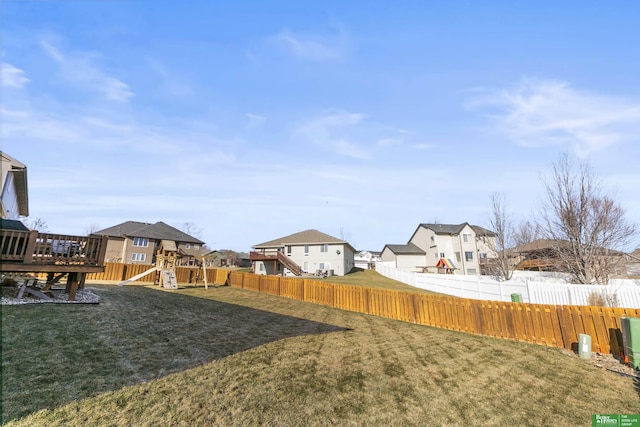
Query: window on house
{"type": "Point", "coordinates": [482, 255]}
{"type": "Point", "coordinates": [187, 246]}
{"type": "Point", "coordinates": [458, 259]}
{"type": "Point", "coordinates": [468, 256]}
{"type": "Point", "coordinates": [138, 257]}
{"type": "Point", "coordinates": [196, 247]}
{"type": "Point", "coordinates": [261, 266]}
{"type": "Point", "coordinates": [321, 266]}
{"type": "Point", "coordinates": [471, 271]}
{"type": "Point", "coordinates": [324, 248]}
{"type": "Point", "coordinates": [436, 255]}
{"type": "Point", "coordinates": [433, 239]}
{"type": "Point", "coordinates": [441, 254]}
{"type": "Point", "coordinates": [466, 238]}
{"type": "Point", "coordinates": [306, 250]}
{"type": "Point", "coordinates": [289, 250]}
{"type": "Point", "coordinates": [139, 241]}
{"type": "Point", "coordinates": [305, 267]}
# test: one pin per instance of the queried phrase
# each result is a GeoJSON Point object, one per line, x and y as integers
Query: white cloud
{"type": "Point", "coordinates": [72, 131]}
{"type": "Point", "coordinates": [334, 131]}
{"type": "Point", "coordinates": [171, 83]}
{"type": "Point", "coordinates": [422, 146]}
{"type": "Point", "coordinates": [12, 76]}
{"type": "Point", "coordinates": [81, 69]}
{"type": "Point", "coordinates": [540, 113]}
{"type": "Point", "coordinates": [386, 142]}
{"type": "Point", "coordinates": [255, 120]}
{"type": "Point", "coordinates": [313, 48]}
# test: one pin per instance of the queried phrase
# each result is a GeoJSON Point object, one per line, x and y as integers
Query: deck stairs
{"type": "Point", "coordinates": [290, 264]}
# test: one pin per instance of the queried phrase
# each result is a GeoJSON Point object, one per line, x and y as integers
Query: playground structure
{"type": "Point", "coordinates": [165, 266]}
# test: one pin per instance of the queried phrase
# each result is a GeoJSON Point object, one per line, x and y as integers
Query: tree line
{"type": "Point", "coordinates": [585, 227]}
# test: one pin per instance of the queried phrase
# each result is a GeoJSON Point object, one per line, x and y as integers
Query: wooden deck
{"type": "Point", "coordinates": [57, 255]}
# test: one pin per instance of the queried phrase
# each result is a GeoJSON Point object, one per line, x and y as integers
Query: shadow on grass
{"type": "Point", "coordinates": [53, 354]}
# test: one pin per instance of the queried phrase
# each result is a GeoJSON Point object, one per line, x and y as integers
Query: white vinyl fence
{"type": "Point", "coordinates": [619, 294]}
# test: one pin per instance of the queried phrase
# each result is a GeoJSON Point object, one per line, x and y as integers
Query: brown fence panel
{"type": "Point", "coordinates": [220, 276]}
{"type": "Point", "coordinates": [112, 272]}
{"type": "Point", "coordinates": [131, 270]}
{"type": "Point", "coordinates": [185, 275]}
{"type": "Point", "coordinates": [292, 287]}
{"type": "Point", "coordinates": [555, 326]}
{"type": "Point", "coordinates": [236, 279]}
{"type": "Point", "coordinates": [251, 281]}
{"type": "Point", "coordinates": [391, 304]}
{"type": "Point", "coordinates": [269, 284]}
{"type": "Point", "coordinates": [352, 298]}
{"type": "Point", "coordinates": [319, 292]}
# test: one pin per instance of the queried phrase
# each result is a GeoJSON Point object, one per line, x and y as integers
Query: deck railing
{"type": "Point", "coordinates": [32, 247]}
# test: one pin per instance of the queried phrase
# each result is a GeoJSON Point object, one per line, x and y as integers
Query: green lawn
{"type": "Point", "coordinates": [372, 279]}
{"type": "Point", "coordinates": [226, 356]}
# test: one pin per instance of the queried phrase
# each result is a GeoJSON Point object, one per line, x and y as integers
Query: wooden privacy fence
{"type": "Point", "coordinates": [117, 272]}
{"type": "Point", "coordinates": [550, 325]}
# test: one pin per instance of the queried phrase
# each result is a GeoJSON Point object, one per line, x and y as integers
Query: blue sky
{"type": "Point", "coordinates": [254, 120]}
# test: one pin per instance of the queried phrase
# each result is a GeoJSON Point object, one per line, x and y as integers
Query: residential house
{"type": "Point", "coordinates": [460, 246]}
{"type": "Point", "coordinates": [24, 251]}
{"type": "Point", "coordinates": [542, 255]}
{"type": "Point", "coordinates": [15, 197]}
{"type": "Point", "coordinates": [227, 258]}
{"type": "Point", "coordinates": [306, 252]}
{"type": "Point", "coordinates": [137, 242]}
{"type": "Point", "coordinates": [406, 257]}
{"type": "Point", "coordinates": [633, 264]}
{"type": "Point", "coordinates": [366, 259]}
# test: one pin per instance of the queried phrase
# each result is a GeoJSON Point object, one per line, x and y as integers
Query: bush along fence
{"type": "Point", "coordinates": [550, 325]}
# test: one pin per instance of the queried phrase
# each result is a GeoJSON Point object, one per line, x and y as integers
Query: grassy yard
{"type": "Point", "coordinates": [226, 356]}
{"type": "Point", "coordinates": [372, 279]}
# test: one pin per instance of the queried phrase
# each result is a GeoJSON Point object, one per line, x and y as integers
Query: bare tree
{"type": "Point", "coordinates": [501, 225]}
{"type": "Point", "coordinates": [587, 227]}
{"type": "Point", "coordinates": [191, 229]}
{"type": "Point", "coordinates": [37, 224]}
{"type": "Point", "coordinates": [92, 228]}
{"type": "Point", "coordinates": [346, 236]}
{"type": "Point", "coordinates": [526, 232]}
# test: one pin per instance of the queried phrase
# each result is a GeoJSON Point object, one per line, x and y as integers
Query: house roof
{"type": "Point", "coordinates": [307, 237]}
{"type": "Point", "coordinates": [481, 231]}
{"type": "Point", "coordinates": [19, 171]}
{"type": "Point", "coordinates": [551, 245]}
{"type": "Point", "coordinates": [12, 224]}
{"type": "Point", "coordinates": [157, 231]}
{"type": "Point", "coordinates": [445, 228]}
{"type": "Point", "coordinates": [408, 249]}
{"type": "Point", "coordinates": [537, 245]}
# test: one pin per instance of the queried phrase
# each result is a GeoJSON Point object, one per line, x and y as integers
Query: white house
{"type": "Point", "coordinates": [460, 246]}
{"type": "Point", "coordinates": [15, 197]}
{"type": "Point", "coordinates": [366, 259]}
{"type": "Point", "coordinates": [306, 252]}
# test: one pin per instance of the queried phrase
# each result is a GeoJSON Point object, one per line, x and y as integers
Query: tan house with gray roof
{"type": "Point", "coordinates": [136, 243]}
{"type": "Point", "coordinates": [307, 252]}
{"type": "Point", "coordinates": [462, 247]}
